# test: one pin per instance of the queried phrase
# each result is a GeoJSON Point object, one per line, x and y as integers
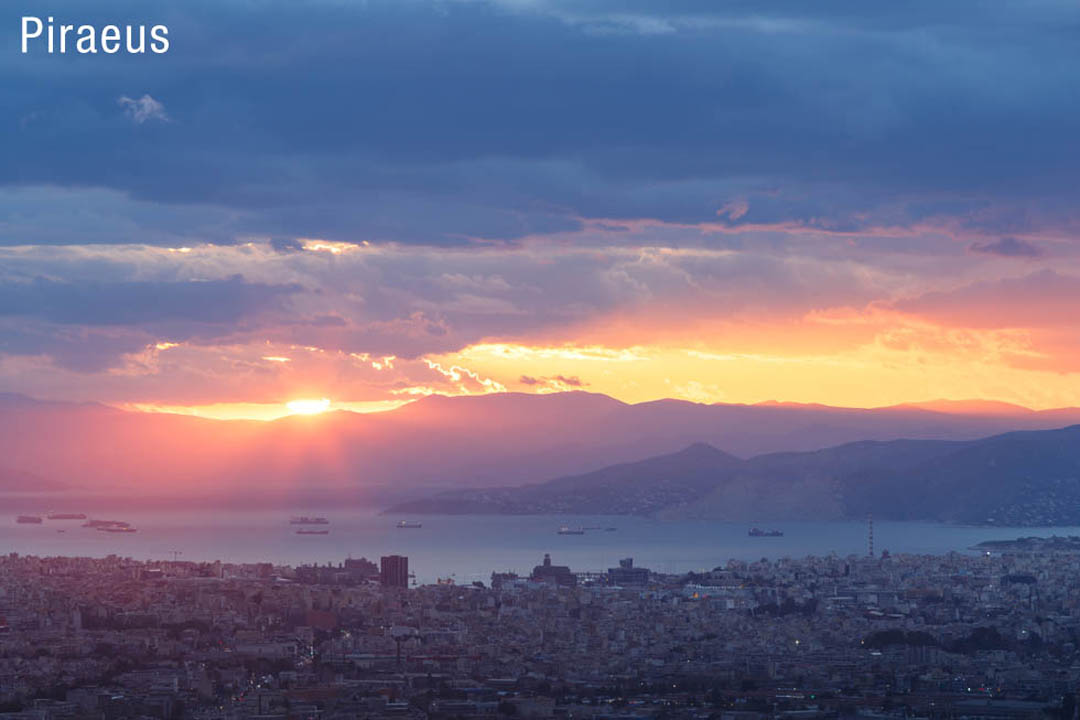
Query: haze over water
{"type": "Point", "coordinates": [469, 548]}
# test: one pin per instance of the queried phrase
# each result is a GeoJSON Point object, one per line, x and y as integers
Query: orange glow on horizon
{"type": "Point", "coordinates": [890, 369]}
{"type": "Point", "coordinates": [950, 372]}
{"type": "Point", "coordinates": [259, 411]}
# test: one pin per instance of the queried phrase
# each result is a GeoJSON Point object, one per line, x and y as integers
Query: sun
{"type": "Point", "coordinates": [308, 407]}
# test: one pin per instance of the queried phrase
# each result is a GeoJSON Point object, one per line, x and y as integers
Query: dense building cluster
{"type": "Point", "coordinates": [959, 635]}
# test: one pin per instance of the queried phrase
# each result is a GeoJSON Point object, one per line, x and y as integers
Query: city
{"type": "Point", "coordinates": [974, 634]}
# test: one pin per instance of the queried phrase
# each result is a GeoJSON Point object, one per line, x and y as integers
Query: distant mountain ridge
{"type": "Point", "coordinates": [1018, 478]}
{"type": "Point", "coordinates": [638, 488]}
{"type": "Point", "coordinates": [506, 439]}
{"type": "Point", "coordinates": [22, 482]}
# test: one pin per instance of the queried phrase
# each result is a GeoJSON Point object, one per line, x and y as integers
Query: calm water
{"type": "Point", "coordinates": [471, 547]}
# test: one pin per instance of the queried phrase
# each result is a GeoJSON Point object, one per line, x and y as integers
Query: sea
{"type": "Point", "coordinates": [467, 548]}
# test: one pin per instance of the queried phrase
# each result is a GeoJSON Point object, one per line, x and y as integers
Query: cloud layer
{"type": "Point", "coordinates": [441, 122]}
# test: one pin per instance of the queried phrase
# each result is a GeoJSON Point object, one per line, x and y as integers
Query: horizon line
{"type": "Point", "coordinates": [273, 411]}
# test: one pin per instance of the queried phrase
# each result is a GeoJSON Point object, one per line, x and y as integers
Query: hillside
{"type": "Point", "coordinates": [433, 444]}
{"type": "Point", "coordinates": [1019, 478]}
{"type": "Point", "coordinates": [642, 487]}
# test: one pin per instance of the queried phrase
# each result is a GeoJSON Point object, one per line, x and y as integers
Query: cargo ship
{"type": "Point", "coordinates": [408, 524]}
{"type": "Point", "coordinates": [28, 519]}
{"type": "Point", "coordinates": [758, 532]}
{"type": "Point", "coordinates": [66, 516]}
{"type": "Point", "coordinates": [107, 525]}
{"type": "Point", "coordinates": [305, 520]}
{"type": "Point", "coordinates": [302, 531]}
{"type": "Point", "coordinates": [124, 528]}
{"type": "Point", "coordinates": [571, 531]}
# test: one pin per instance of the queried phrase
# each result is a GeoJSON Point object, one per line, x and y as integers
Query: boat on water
{"type": "Point", "coordinates": [571, 531]}
{"type": "Point", "coordinates": [125, 528]}
{"type": "Point", "coordinates": [28, 519]}
{"type": "Point", "coordinates": [758, 532]}
{"type": "Point", "coordinates": [100, 523]}
{"type": "Point", "coordinates": [66, 516]}
{"type": "Point", "coordinates": [408, 524]}
{"type": "Point", "coordinates": [302, 531]}
{"type": "Point", "coordinates": [306, 520]}
{"type": "Point", "coordinates": [107, 525]}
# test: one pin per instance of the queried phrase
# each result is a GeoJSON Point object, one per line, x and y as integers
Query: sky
{"type": "Point", "coordinates": [842, 202]}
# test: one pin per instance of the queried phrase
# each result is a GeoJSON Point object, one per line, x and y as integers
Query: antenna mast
{"type": "Point", "coordinates": [870, 534]}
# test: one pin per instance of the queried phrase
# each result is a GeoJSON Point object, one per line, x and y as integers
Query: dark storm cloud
{"type": "Point", "coordinates": [91, 325]}
{"type": "Point", "coordinates": [72, 348]}
{"type": "Point", "coordinates": [446, 122]}
{"type": "Point", "coordinates": [225, 301]}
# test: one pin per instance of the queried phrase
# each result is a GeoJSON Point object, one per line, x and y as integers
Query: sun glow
{"type": "Point", "coordinates": [259, 411]}
{"type": "Point", "coordinates": [308, 407]}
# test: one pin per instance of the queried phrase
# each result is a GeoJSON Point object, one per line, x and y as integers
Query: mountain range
{"type": "Point", "coordinates": [1018, 478]}
{"type": "Point", "coordinates": [434, 444]}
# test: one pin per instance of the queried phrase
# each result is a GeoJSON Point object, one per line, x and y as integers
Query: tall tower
{"type": "Point", "coordinates": [394, 571]}
{"type": "Point", "coordinates": [870, 534]}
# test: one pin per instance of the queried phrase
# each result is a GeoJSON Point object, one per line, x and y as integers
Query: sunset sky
{"type": "Point", "coordinates": [847, 203]}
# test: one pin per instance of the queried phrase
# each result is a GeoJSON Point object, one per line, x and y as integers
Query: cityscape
{"type": "Point", "coordinates": [993, 633]}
